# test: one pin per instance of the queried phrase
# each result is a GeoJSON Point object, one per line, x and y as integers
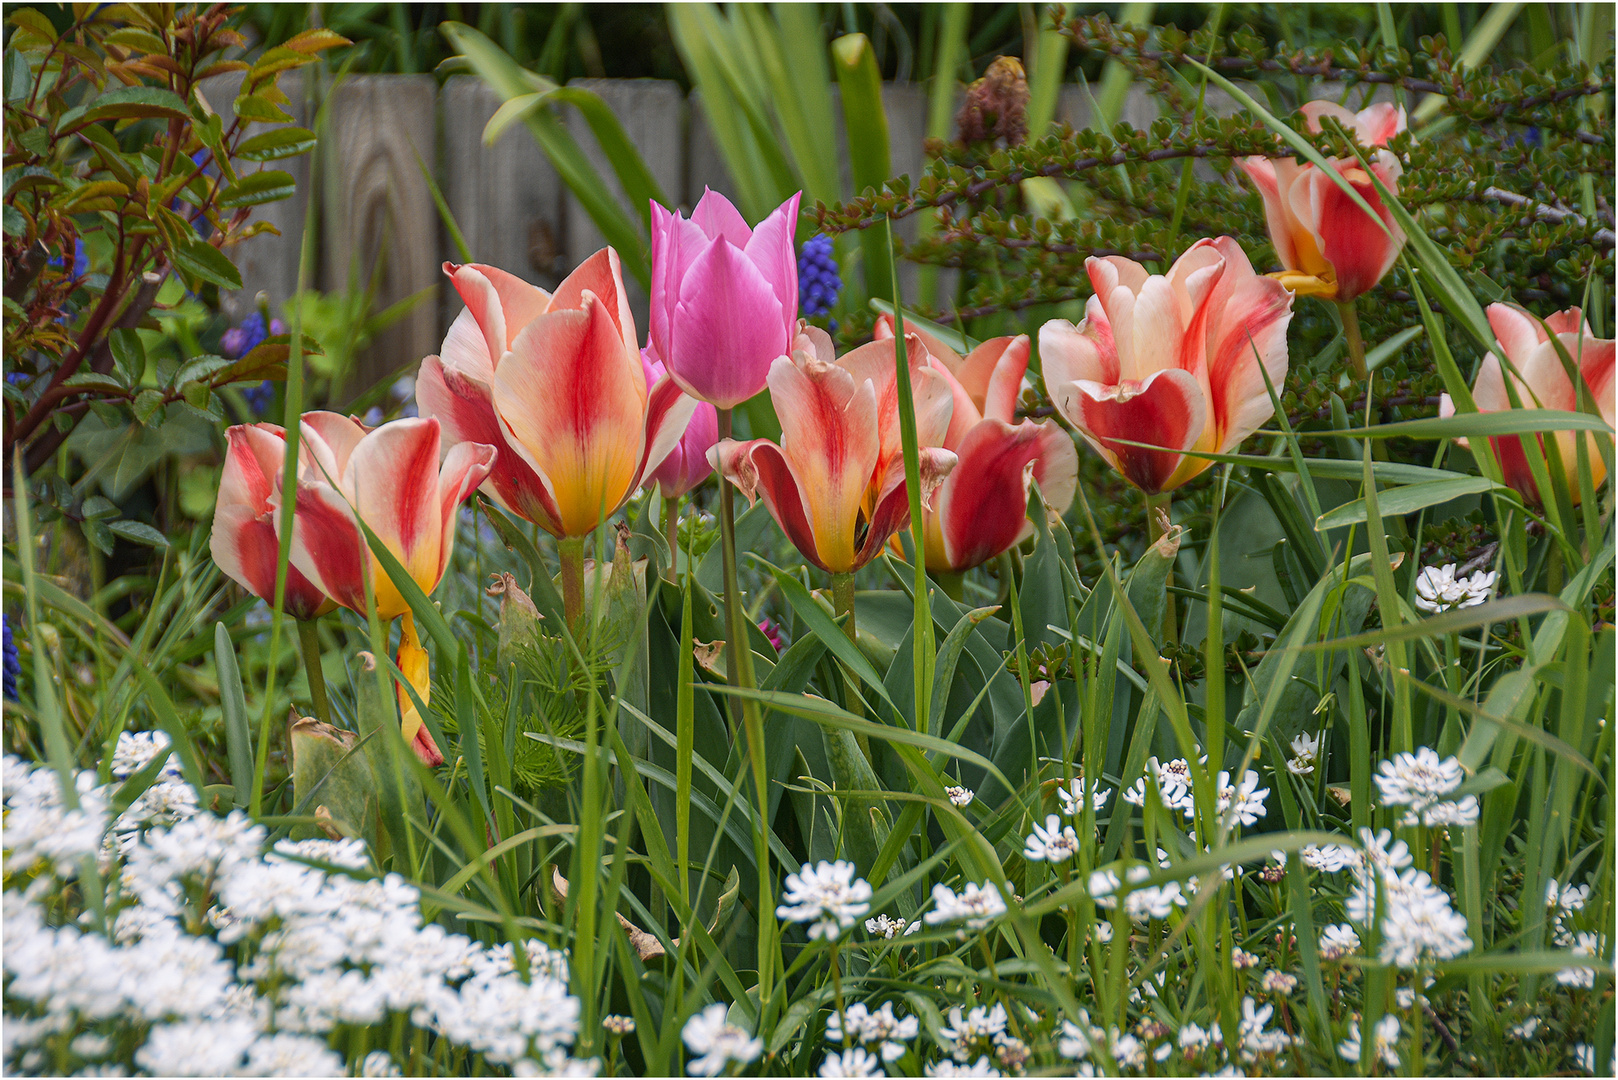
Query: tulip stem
{"type": "Point", "coordinates": [953, 583]}
{"type": "Point", "coordinates": [671, 532]}
{"type": "Point", "coordinates": [1159, 518]}
{"type": "Point", "coordinates": [739, 673]}
{"type": "Point", "coordinates": [842, 601]}
{"type": "Point", "coordinates": [570, 549]}
{"type": "Point", "coordinates": [1356, 345]}
{"type": "Point", "coordinates": [309, 643]}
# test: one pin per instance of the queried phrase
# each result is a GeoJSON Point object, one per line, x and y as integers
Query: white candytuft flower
{"type": "Point", "coordinates": [1071, 795]}
{"type": "Point", "coordinates": [292, 1055]}
{"type": "Point", "coordinates": [1076, 1040]}
{"type": "Point", "coordinates": [1173, 785]}
{"type": "Point", "coordinates": [1329, 858]}
{"type": "Point", "coordinates": [1438, 589]}
{"type": "Point", "coordinates": [1052, 843]}
{"type": "Point", "coordinates": [888, 1032]}
{"type": "Point", "coordinates": [978, 1030]}
{"type": "Point", "coordinates": [976, 905]}
{"type": "Point", "coordinates": [136, 749]}
{"type": "Point", "coordinates": [1305, 755]}
{"type": "Point", "coordinates": [1256, 1038]}
{"type": "Point", "coordinates": [852, 1062]}
{"type": "Point", "coordinates": [1525, 1030]}
{"type": "Point", "coordinates": [1128, 1051]}
{"type": "Point", "coordinates": [1417, 780]}
{"type": "Point", "coordinates": [1338, 941]}
{"type": "Point", "coordinates": [717, 1042]}
{"type": "Point", "coordinates": [884, 927]}
{"type": "Point", "coordinates": [1150, 901]}
{"type": "Point", "coordinates": [1245, 801]}
{"type": "Point", "coordinates": [618, 1025]}
{"type": "Point", "coordinates": [1241, 959]}
{"type": "Point", "coordinates": [828, 896]}
{"type": "Point", "coordinates": [1451, 815]}
{"type": "Point", "coordinates": [980, 1067]}
{"type": "Point", "coordinates": [1278, 982]}
{"type": "Point", "coordinates": [1589, 944]}
{"type": "Point", "coordinates": [1417, 920]}
{"type": "Point", "coordinates": [379, 1063]}
{"type": "Point", "coordinates": [1385, 1039]}
{"type": "Point", "coordinates": [960, 796]}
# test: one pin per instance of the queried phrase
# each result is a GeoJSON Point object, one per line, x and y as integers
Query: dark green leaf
{"type": "Point", "coordinates": [140, 533]}
{"type": "Point", "coordinates": [268, 185]}
{"type": "Point", "coordinates": [279, 143]}
{"type": "Point", "coordinates": [201, 259]}
{"type": "Point", "coordinates": [136, 101]}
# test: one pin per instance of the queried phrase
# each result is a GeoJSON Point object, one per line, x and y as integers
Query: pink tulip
{"type": "Point", "coordinates": [687, 464]}
{"type": "Point", "coordinates": [245, 542]}
{"type": "Point", "coordinates": [1541, 382]}
{"type": "Point", "coordinates": [724, 297]}
{"type": "Point", "coordinates": [981, 509]}
{"type": "Point", "coordinates": [1329, 246]}
{"type": "Point", "coordinates": [1169, 360]}
{"type": "Point", "coordinates": [391, 479]}
{"type": "Point", "coordinates": [836, 482]}
{"type": "Point", "coordinates": [555, 383]}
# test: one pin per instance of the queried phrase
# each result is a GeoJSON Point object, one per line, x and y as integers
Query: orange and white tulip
{"type": "Point", "coordinates": [1541, 382]}
{"type": "Point", "coordinates": [1169, 360]}
{"type": "Point", "coordinates": [390, 478]}
{"type": "Point", "coordinates": [555, 382]}
{"type": "Point", "coordinates": [245, 542]}
{"type": "Point", "coordinates": [981, 509]}
{"type": "Point", "coordinates": [1327, 243]}
{"type": "Point", "coordinates": [836, 482]}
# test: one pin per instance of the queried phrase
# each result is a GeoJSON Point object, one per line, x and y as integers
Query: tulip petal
{"type": "Point", "coordinates": [1167, 410]}
{"type": "Point", "coordinates": [1273, 180]}
{"type": "Point", "coordinates": [760, 468]}
{"type": "Point", "coordinates": [329, 440]}
{"type": "Point", "coordinates": [829, 432]}
{"type": "Point", "coordinates": [718, 218]}
{"type": "Point", "coordinates": [1516, 331]}
{"type": "Point", "coordinates": [466, 353]}
{"type": "Point", "coordinates": [1071, 353]}
{"type": "Point", "coordinates": [391, 482]}
{"type": "Point", "coordinates": [1006, 360]}
{"type": "Point", "coordinates": [1359, 249]}
{"type": "Point", "coordinates": [244, 541]}
{"type": "Point", "coordinates": [465, 467]}
{"type": "Point", "coordinates": [983, 505]}
{"type": "Point", "coordinates": [892, 511]}
{"type": "Point", "coordinates": [729, 324]}
{"type": "Point", "coordinates": [771, 250]}
{"type": "Point", "coordinates": [501, 303]}
{"type": "Point", "coordinates": [669, 413]}
{"type": "Point", "coordinates": [603, 275]}
{"type": "Point", "coordinates": [572, 403]}
{"type": "Point", "coordinates": [1250, 318]}
{"type": "Point", "coordinates": [466, 411]}
{"type": "Point", "coordinates": [328, 548]}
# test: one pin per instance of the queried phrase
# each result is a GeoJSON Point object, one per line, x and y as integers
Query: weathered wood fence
{"type": "Point", "coordinates": [377, 222]}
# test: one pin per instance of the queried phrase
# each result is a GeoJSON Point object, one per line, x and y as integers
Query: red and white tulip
{"type": "Point", "coordinates": [245, 542]}
{"type": "Point", "coordinates": [836, 482]}
{"type": "Point", "coordinates": [1169, 360]}
{"type": "Point", "coordinates": [1541, 382]}
{"type": "Point", "coordinates": [1327, 243]}
{"type": "Point", "coordinates": [981, 508]}
{"type": "Point", "coordinates": [392, 479]}
{"type": "Point", "coordinates": [555, 382]}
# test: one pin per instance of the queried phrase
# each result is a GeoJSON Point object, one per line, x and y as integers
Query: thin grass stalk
{"type": "Point", "coordinates": [925, 651]}
{"type": "Point", "coordinates": [739, 673]}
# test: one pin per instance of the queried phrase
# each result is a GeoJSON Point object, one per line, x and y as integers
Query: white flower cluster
{"type": "Point", "coordinates": [234, 960]}
{"type": "Point", "coordinates": [1072, 795]}
{"type": "Point", "coordinates": [1141, 902]}
{"type": "Point", "coordinates": [1257, 1038]}
{"type": "Point", "coordinates": [1438, 589]}
{"type": "Point", "coordinates": [1053, 842]}
{"type": "Point", "coordinates": [1305, 755]}
{"type": "Point", "coordinates": [1385, 1039]}
{"type": "Point", "coordinates": [974, 1033]}
{"type": "Point", "coordinates": [976, 905]}
{"type": "Point", "coordinates": [882, 1029]}
{"type": "Point", "coordinates": [884, 927]}
{"type": "Point", "coordinates": [716, 1042]}
{"type": "Point", "coordinates": [828, 897]}
{"type": "Point", "coordinates": [1424, 783]}
{"type": "Point", "coordinates": [1417, 920]}
{"type": "Point", "coordinates": [1244, 800]}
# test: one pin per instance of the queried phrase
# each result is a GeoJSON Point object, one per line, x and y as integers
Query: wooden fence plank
{"type": "Point", "coordinates": [506, 198]}
{"type": "Point", "coordinates": [652, 112]}
{"type": "Point", "coordinates": [381, 227]}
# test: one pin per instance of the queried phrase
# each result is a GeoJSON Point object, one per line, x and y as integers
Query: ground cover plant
{"type": "Point", "coordinates": [1182, 646]}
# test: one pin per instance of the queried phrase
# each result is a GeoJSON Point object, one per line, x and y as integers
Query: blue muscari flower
{"type": "Point", "coordinates": [259, 397]}
{"type": "Point", "coordinates": [81, 258]}
{"type": "Point", "coordinates": [818, 281]}
{"type": "Point", "coordinates": [8, 659]}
